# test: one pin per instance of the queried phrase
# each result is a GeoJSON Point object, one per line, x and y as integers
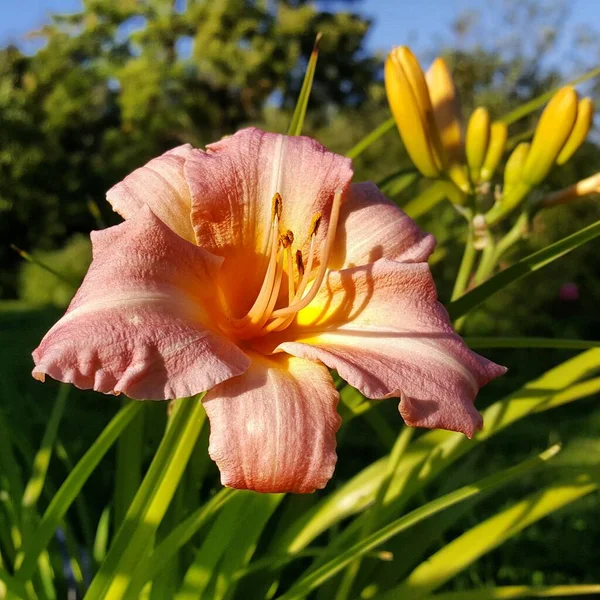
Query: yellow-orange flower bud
{"type": "Point", "coordinates": [477, 140]}
{"type": "Point", "coordinates": [551, 134]}
{"type": "Point", "coordinates": [514, 165]}
{"type": "Point", "coordinates": [409, 101]}
{"type": "Point", "coordinates": [515, 189]}
{"type": "Point", "coordinates": [497, 143]}
{"type": "Point", "coordinates": [583, 124]}
{"type": "Point", "coordinates": [446, 109]}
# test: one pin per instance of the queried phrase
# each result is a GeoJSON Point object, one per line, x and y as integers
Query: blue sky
{"type": "Point", "coordinates": [420, 23]}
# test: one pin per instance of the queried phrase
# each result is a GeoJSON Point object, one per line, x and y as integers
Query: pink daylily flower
{"type": "Point", "coordinates": [248, 271]}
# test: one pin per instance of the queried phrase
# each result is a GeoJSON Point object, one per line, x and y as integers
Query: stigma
{"type": "Point", "coordinates": [272, 310]}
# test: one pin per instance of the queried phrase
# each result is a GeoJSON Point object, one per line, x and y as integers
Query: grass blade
{"type": "Point", "coordinates": [69, 490]}
{"type": "Point", "coordinates": [520, 591]}
{"type": "Point", "coordinates": [128, 476]}
{"type": "Point", "coordinates": [10, 585]}
{"type": "Point", "coordinates": [532, 105]}
{"type": "Point", "coordinates": [135, 536]}
{"type": "Point", "coordinates": [228, 546]}
{"type": "Point", "coordinates": [300, 111]}
{"type": "Point", "coordinates": [317, 577]}
{"type": "Point", "coordinates": [487, 535]}
{"type": "Point", "coordinates": [42, 458]}
{"type": "Point", "coordinates": [181, 535]}
{"type": "Point", "coordinates": [371, 138]}
{"type": "Point", "coordinates": [461, 306]}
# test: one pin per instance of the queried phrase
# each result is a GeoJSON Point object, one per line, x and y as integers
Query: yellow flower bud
{"type": "Point", "coordinates": [478, 136]}
{"type": "Point", "coordinates": [409, 101]}
{"type": "Point", "coordinates": [583, 124]}
{"type": "Point", "coordinates": [497, 143]}
{"type": "Point", "coordinates": [515, 189]}
{"type": "Point", "coordinates": [446, 109]}
{"type": "Point", "coordinates": [551, 134]}
{"type": "Point", "coordinates": [515, 163]}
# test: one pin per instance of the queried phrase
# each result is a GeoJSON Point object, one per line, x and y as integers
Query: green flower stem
{"type": "Point", "coordinates": [135, 537]}
{"type": "Point", "coordinates": [513, 236]}
{"type": "Point", "coordinates": [488, 260]}
{"type": "Point", "coordinates": [466, 267]}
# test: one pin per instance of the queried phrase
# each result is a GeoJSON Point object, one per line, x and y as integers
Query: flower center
{"type": "Point", "coordinates": [263, 317]}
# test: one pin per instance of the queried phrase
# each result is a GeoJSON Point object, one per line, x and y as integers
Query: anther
{"type": "Point", "coordinates": [314, 226]}
{"type": "Point", "coordinates": [299, 263]}
{"type": "Point", "coordinates": [277, 206]}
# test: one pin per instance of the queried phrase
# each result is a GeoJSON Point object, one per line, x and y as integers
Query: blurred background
{"type": "Point", "coordinates": [90, 90]}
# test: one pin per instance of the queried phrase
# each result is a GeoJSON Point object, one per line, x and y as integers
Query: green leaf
{"type": "Point", "coordinates": [69, 490]}
{"type": "Point", "coordinates": [9, 466]}
{"type": "Point", "coordinates": [520, 591]}
{"type": "Point", "coordinates": [487, 535]}
{"type": "Point", "coordinates": [461, 306]}
{"type": "Point", "coordinates": [148, 569]}
{"type": "Point", "coordinates": [228, 546]}
{"type": "Point", "coordinates": [128, 475]}
{"type": "Point", "coordinates": [101, 538]}
{"type": "Point", "coordinates": [397, 182]}
{"type": "Point", "coordinates": [11, 585]}
{"type": "Point", "coordinates": [134, 538]}
{"type": "Point", "coordinates": [532, 105]}
{"type": "Point", "coordinates": [529, 342]}
{"type": "Point", "coordinates": [340, 560]}
{"type": "Point", "coordinates": [371, 138]}
{"type": "Point", "coordinates": [431, 196]}
{"type": "Point", "coordinates": [42, 458]}
{"type": "Point", "coordinates": [302, 104]}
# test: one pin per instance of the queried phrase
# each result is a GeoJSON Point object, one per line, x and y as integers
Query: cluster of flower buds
{"type": "Point", "coordinates": [561, 130]}
{"type": "Point", "coordinates": [427, 114]}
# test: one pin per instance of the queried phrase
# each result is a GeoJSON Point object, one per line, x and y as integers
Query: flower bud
{"type": "Point", "coordinates": [514, 165]}
{"type": "Point", "coordinates": [497, 143]}
{"type": "Point", "coordinates": [583, 124]}
{"type": "Point", "coordinates": [551, 134]}
{"type": "Point", "coordinates": [515, 189]}
{"type": "Point", "coordinates": [409, 101]}
{"type": "Point", "coordinates": [446, 109]}
{"type": "Point", "coordinates": [478, 136]}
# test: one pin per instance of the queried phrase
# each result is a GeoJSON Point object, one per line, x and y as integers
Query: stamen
{"type": "Point", "coordinates": [264, 294]}
{"type": "Point", "coordinates": [258, 322]}
{"type": "Point", "coordinates": [299, 263]}
{"type": "Point", "coordinates": [290, 276]}
{"type": "Point", "coordinates": [314, 225]}
{"type": "Point", "coordinates": [329, 241]}
{"type": "Point", "coordinates": [277, 208]}
{"type": "Point", "coordinates": [282, 323]}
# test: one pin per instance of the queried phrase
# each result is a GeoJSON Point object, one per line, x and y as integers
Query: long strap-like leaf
{"type": "Point", "coordinates": [301, 105]}
{"type": "Point", "coordinates": [317, 577]}
{"type": "Point", "coordinates": [133, 539]}
{"type": "Point", "coordinates": [69, 490]}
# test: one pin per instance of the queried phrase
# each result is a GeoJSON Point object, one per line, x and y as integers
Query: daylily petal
{"type": "Point", "coordinates": [232, 187]}
{"type": "Point", "coordinates": [273, 428]}
{"type": "Point", "coordinates": [372, 227]}
{"type": "Point", "coordinates": [138, 324]}
{"type": "Point", "coordinates": [160, 184]}
{"type": "Point", "coordinates": [381, 327]}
